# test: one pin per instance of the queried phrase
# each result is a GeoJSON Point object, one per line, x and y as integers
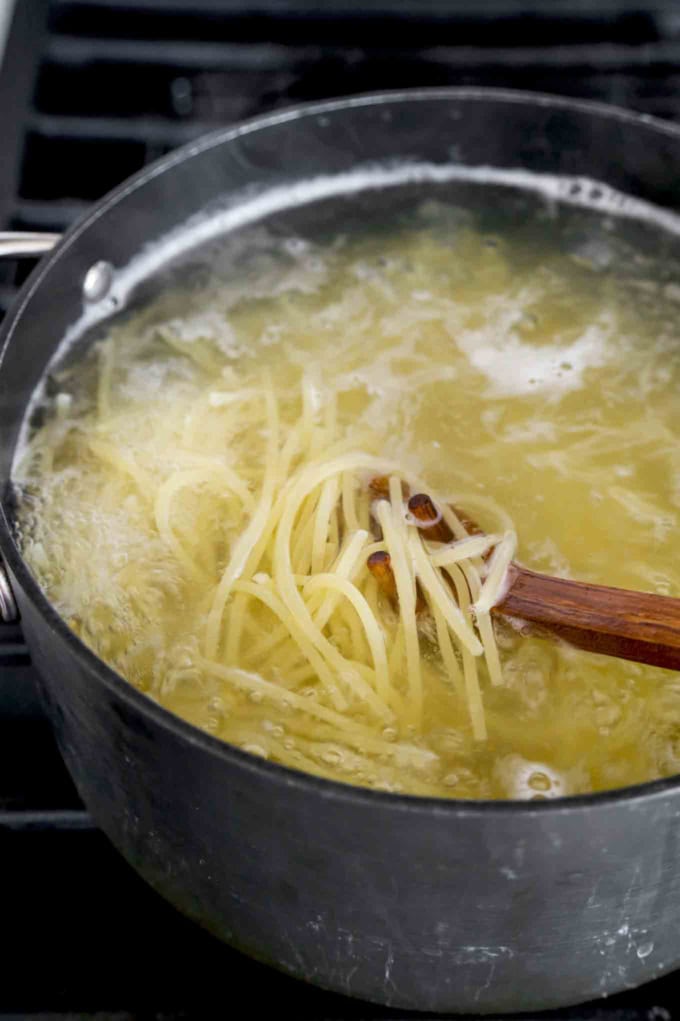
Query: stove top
{"type": "Point", "coordinates": [90, 91]}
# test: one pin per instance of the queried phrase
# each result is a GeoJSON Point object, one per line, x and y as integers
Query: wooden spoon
{"type": "Point", "coordinates": [640, 626]}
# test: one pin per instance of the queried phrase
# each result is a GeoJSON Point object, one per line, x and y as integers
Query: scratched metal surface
{"type": "Point", "coordinates": [86, 938]}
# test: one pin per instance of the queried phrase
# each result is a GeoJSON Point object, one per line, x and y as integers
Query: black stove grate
{"type": "Point", "coordinates": [91, 91]}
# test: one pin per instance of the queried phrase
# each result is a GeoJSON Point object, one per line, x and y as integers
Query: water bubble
{"type": "Point", "coordinates": [389, 734]}
{"type": "Point", "coordinates": [289, 743]}
{"type": "Point", "coordinates": [275, 729]}
{"type": "Point", "coordinates": [644, 950]}
{"type": "Point", "coordinates": [332, 757]}
{"type": "Point", "coordinates": [539, 781]}
{"type": "Point", "coordinates": [386, 785]}
{"type": "Point", "coordinates": [451, 780]}
{"type": "Point", "coordinates": [533, 781]}
{"type": "Point", "coordinates": [256, 696]}
{"type": "Point", "coordinates": [255, 749]}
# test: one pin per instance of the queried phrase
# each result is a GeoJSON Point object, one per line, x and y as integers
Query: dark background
{"type": "Point", "coordinates": [91, 91]}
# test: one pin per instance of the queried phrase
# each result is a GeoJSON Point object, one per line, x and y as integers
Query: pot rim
{"type": "Point", "coordinates": [145, 704]}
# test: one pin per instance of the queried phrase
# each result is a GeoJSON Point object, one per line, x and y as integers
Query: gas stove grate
{"type": "Point", "coordinates": [106, 86]}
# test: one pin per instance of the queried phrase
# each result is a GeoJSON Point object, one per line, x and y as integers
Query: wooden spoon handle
{"type": "Point", "coordinates": [615, 622]}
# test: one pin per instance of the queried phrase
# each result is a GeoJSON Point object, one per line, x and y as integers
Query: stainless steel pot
{"type": "Point", "coordinates": [426, 904]}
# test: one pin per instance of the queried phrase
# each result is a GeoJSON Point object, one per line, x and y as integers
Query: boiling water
{"type": "Point", "coordinates": [521, 356]}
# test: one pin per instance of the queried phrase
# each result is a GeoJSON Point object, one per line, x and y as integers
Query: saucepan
{"type": "Point", "coordinates": [411, 902]}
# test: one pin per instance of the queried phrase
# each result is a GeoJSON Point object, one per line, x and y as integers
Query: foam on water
{"type": "Point", "coordinates": [514, 367]}
{"type": "Point", "coordinates": [254, 204]}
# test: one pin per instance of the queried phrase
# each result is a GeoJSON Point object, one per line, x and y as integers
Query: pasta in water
{"type": "Point", "coordinates": [220, 500]}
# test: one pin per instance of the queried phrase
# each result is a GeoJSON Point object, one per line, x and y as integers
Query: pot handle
{"type": "Point", "coordinates": [9, 612]}
{"type": "Point", "coordinates": [25, 244]}
{"type": "Point", "coordinates": [19, 245]}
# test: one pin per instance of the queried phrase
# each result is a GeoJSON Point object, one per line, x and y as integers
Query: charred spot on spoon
{"type": "Point", "coordinates": [429, 519]}
{"type": "Point", "coordinates": [98, 280]}
{"type": "Point", "coordinates": [380, 566]}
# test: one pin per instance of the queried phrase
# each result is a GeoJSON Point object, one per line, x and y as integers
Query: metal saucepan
{"type": "Point", "coordinates": [416, 903]}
